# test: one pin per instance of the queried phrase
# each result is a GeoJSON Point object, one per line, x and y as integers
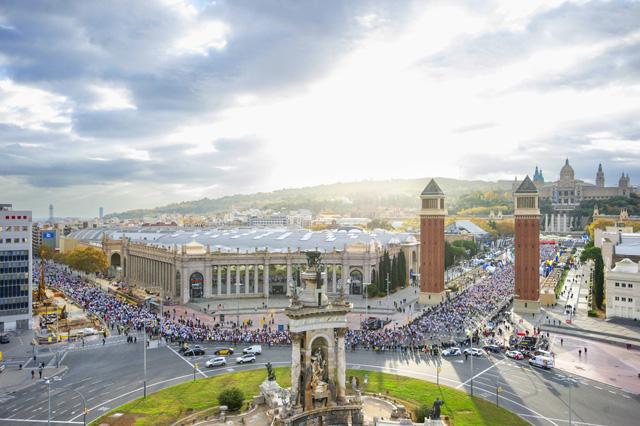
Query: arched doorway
{"type": "Point", "coordinates": [195, 285]}
{"type": "Point", "coordinates": [356, 281]}
{"type": "Point", "coordinates": [115, 260]}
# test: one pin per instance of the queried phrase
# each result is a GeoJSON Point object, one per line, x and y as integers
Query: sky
{"type": "Point", "coordinates": [136, 104]}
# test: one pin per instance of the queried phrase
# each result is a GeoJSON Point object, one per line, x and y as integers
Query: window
{"type": "Point", "coordinates": [631, 299]}
{"type": "Point", "coordinates": [617, 284]}
{"type": "Point", "coordinates": [624, 285]}
{"type": "Point", "coordinates": [624, 299]}
{"type": "Point", "coordinates": [630, 285]}
{"type": "Point", "coordinates": [16, 240]}
{"type": "Point", "coordinates": [16, 228]}
{"type": "Point", "coordinates": [24, 228]}
{"type": "Point", "coordinates": [617, 299]}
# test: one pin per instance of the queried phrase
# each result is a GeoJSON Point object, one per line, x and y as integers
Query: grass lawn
{"type": "Point", "coordinates": [167, 406]}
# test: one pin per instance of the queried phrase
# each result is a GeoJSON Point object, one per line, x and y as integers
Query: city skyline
{"type": "Point", "coordinates": [139, 105]}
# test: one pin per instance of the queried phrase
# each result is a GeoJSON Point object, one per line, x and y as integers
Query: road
{"type": "Point", "coordinates": [109, 376]}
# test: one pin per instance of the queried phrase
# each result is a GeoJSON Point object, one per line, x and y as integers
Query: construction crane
{"type": "Point", "coordinates": [40, 294]}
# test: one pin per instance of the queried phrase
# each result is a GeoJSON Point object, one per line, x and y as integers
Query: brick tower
{"type": "Point", "coordinates": [527, 242]}
{"type": "Point", "coordinates": [432, 215]}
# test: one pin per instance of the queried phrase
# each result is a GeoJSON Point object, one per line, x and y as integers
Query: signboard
{"type": "Point", "coordinates": [47, 235]}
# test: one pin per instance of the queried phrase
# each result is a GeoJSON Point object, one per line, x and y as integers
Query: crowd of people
{"type": "Point", "coordinates": [446, 324]}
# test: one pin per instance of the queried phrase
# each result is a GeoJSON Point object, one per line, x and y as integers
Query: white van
{"type": "Point", "coordinates": [541, 361]}
{"type": "Point", "coordinates": [255, 350]}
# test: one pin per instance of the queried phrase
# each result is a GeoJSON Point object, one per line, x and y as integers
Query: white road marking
{"type": "Point", "coordinates": [479, 374]}
{"type": "Point", "coordinates": [598, 387]}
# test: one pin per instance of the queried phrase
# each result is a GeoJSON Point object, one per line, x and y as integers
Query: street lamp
{"type": "Point", "coordinates": [84, 405]}
{"type": "Point", "coordinates": [144, 355]}
{"type": "Point", "coordinates": [366, 298]}
{"type": "Point", "coordinates": [498, 389]}
{"type": "Point", "coordinates": [48, 382]}
{"type": "Point", "coordinates": [570, 380]}
{"type": "Point", "coordinates": [388, 283]}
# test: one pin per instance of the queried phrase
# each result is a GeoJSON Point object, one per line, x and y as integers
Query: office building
{"type": "Point", "coordinates": [15, 269]}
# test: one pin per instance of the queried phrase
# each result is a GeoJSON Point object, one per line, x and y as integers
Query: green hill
{"type": "Point", "coordinates": [360, 199]}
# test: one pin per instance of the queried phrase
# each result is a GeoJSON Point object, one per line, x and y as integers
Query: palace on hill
{"type": "Point", "coordinates": [567, 192]}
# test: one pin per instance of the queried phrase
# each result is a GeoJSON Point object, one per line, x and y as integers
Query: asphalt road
{"type": "Point", "coordinates": [109, 376]}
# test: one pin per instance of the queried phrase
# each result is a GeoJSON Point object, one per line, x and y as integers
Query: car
{"type": "Point", "coordinates": [473, 351]}
{"type": "Point", "coordinates": [4, 339]}
{"type": "Point", "coordinates": [246, 358]}
{"type": "Point", "coordinates": [255, 349]}
{"type": "Point", "coordinates": [515, 355]}
{"type": "Point", "coordinates": [216, 362]}
{"type": "Point", "coordinates": [223, 351]}
{"type": "Point", "coordinates": [194, 352]}
{"type": "Point", "coordinates": [492, 348]}
{"type": "Point", "coordinates": [451, 352]}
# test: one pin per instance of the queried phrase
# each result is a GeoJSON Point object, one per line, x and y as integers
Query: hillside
{"type": "Point", "coordinates": [356, 198]}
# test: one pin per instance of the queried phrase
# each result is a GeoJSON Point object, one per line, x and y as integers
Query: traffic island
{"type": "Point", "coordinates": [197, 401]}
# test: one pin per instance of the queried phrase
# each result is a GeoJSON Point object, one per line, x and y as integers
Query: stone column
{"type": "Point", "coordinates": [334, 272]}
{"type": "Point", "coordinates": [289, 270]}
{"type": "Point", "coordinates": [346, 268]}
{"type": "Point", "coordinates": [325, 279]}
{"type": "Point", "coordinates": [295, 365]}
{"type": "Point", "coordinates": [228, 280]}
{"type": "Point", "coordinates": [246, 279]}
{"type": "Point", "coordinates": [237, 279]}
{"type": "Point", "coordinates": [546, 222]}
{"type": "Point", "coordinates": [208, 280]}
{"type": "Point", "coordinates": [341, 365]}
{"type": "Point", "coordinates": [256, 279]}
{"type": "Point", "coordinates": [265, 278]}
{"type": "Point", "coordinates": [219, 280]}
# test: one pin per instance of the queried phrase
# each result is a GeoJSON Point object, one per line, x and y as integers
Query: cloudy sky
{"type": "Point", "coordinates": [135, 104]}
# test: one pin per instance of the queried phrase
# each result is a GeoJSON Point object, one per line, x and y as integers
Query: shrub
{"type": "Point", "coordinates": [421, 412]}
{"type": "Point", "coordinates": [592, 313]}
{"type": "Point", "coordinates": [232, 398]}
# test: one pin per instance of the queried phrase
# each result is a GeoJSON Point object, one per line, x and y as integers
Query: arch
{"type": "Point", "coordinates": [115, 259]}
{"type": "Point", "coordinates": [196, 281]}
{"type": "Point", "coordinates": [356, 281]}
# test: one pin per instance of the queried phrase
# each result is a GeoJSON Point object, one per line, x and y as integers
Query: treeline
{"type": "Point", "coordinates": [612, 206]}
{"type": "Point", "coordinates": [360, 199]}
{"type": "Point", "coordinates": [393, 269]}
{"type": "Point", "coordinates": [87, 259]}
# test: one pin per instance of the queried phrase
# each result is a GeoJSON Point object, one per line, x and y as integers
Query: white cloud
{"type": "Point", "coordinates": [207, 35]}
{"type": "Point", "coordinates": [32, 108]}
{"type": "Point", "coordinates": [111, 98]}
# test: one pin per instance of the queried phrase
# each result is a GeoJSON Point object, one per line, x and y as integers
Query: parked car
{"type": "Point", "coordinates": [246, 358]}
{"type": "Point", "coordinates": [255, 349]}
{"type": "Point", "coordinates": [216, 362]}
{"type": "Point", "coordinates": [194, 351]}
{"type": "Point", "coordinates": [515, 355]}
{"type": "Point", "coordinates": [223, 351]}
{"type": "Point", "coordinates": [451, 352]}
{"type": "Point", "coordinates": [473, 351]}
{"type": "Point", "coordinates": [4, 338]}
{"type": "Point", "coordinates": [492, 348]}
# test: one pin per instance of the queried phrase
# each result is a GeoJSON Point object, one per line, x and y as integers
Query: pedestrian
{"type": "Point", "coordinates": [135, 339]}
{"type": "Point", "coordinates": [561, 342]}
{"type": "Point", "coordinates": [579, 352]}
{"type": "Point", "coordinates": [40, 372]}
{"type": "Point", "coordinates": [103, 341]}
{"type": "Point", "coordinates": [33, 374]}
{"type": "Point", "coordinates": [585, 351]}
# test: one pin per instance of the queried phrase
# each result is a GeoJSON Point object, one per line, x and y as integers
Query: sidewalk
{"type": "Point", "coordinates": [602, 344]}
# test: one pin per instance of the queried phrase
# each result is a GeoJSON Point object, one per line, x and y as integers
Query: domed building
{"type": "Point", "coordinates": [567, 192]}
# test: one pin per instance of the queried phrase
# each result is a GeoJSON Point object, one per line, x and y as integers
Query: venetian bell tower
{"type": "Point", "coordinates": [600, 177]}
{"type": "Point", "coordinates": [432, 213]}
{"type": "Point", "coordinates": [527, 242]}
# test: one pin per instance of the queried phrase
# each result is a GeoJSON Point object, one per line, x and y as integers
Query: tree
{"type": "Point", "coordinates": [378, 223]}
{"type": "Point", "coordinates": [467, 245]}
{"type": "Point", "coordinates": [88, 259]}
{"type": "Point", "coordinates": [395, 273]}
{"type": "Point", "coordinates": [600, 224]}
{"type": "Point", "coordinates": [232, 398]}
{"type": "Point", "coordinates": [598, 281]}
{"type": "Point", "coordinates": [402, 268]}
{"type": "Point", "coordinates": [448, 255]}
{"type": "Point", "coordinates": [46, 251]}
{"type": "Point", "coordinates": [421, 412]}
{"type": "Point", "coordinates": [590, 253]}
{"type": "Point", "coordinates": [457, 252]}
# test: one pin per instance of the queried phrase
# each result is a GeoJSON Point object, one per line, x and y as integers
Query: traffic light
{"type": "Point", "coordinates": [500, 389]}
{"type": "Point", "coordinates": [522, 368]}
{"type": "Point", "coordinates": [196, 365]}
{"type": "Point", "coordinates": [439, 369]}
{"type": "Point", "coordinates": [86, 411]}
